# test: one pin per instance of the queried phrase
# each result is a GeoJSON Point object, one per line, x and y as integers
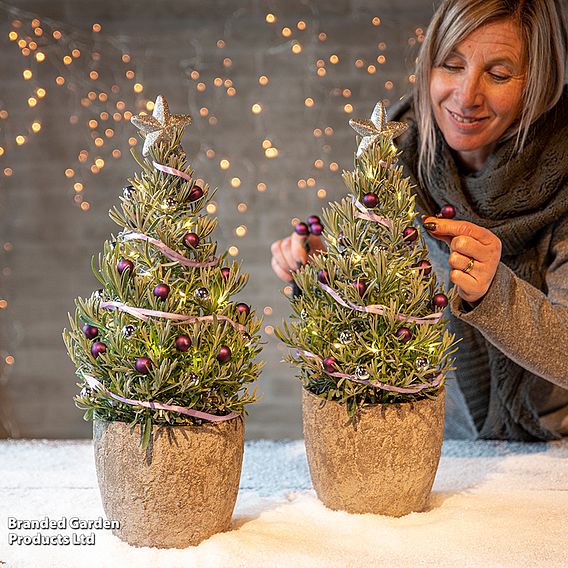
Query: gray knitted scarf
{"type": "Point", "coordinates": [516, 196]}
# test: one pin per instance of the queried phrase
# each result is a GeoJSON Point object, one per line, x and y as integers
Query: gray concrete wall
{"type": "Point", "coordinates": [47, 240]}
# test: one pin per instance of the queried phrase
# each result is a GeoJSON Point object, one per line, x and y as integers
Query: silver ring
{"type": "Point", "coordinates": [469, 265]}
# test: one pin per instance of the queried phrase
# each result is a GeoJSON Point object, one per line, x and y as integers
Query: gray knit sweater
{"type": "Point", "coordinates": [512, 369]}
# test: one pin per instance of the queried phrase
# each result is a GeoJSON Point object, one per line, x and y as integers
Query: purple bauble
{"type": "Point", "coordinates": [329, 364]}
{"type": "Point", "coordinates": [448, 212]}
{"type": "Point", "coordinates": [224, 354]}
{"type": "Point", "coordinates": [316, 229]}
{"type": "Point", "coordinates": [161, 291]}
{"type": "Point", "coordinates": [410, 234]}
{"type": "Point", "coordinates": [97, 348]}
{"type": "Point", "coordinates": [313, 219]}
{"type": "Point", "coordinates": [370, 200]}
{"type": "Point", "coordinates": [143, 365]}
{"type": "Point", "coordinates": [426, 267]}
{"type": "Point", "coordinates": [243, 308]}
{"type": "Point", "coordinates": [191, 240]}
{"type": "Point", "coordinates": [225, 271]}
{"type": "Point", "coordinates": [322, 276]}
{"type": "Point", "coordinates": [302, 229]}
{"type": "Point", "coordinates": [183, 342]}
{"type": "Point", "coordinates": [360, 286]}
{"type": "Point", "coordinates": [123, 264]}
{"type": "Point", "coordinates": [404, 334]}
{"type": "Point", "coordinates": [90, 331]}
{"type": "Point", "coordinates": [440, 300]}
{"type": "Point", "coordinates": [195, 193]}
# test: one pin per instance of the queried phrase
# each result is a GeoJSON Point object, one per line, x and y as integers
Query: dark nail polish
{"type": "Point", "coordinates": [430, 226]}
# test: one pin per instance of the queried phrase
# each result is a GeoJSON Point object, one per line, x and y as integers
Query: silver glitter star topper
{"type": "Point", "coordinates": [161, 125]}
{"type": "Point", "coordinates": [370, 130]}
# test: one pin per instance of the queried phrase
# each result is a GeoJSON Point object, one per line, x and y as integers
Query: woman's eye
{"type": "Point", "coordinates": [499, 78]}
{"type": "Point", "coordinates": [449, 67]}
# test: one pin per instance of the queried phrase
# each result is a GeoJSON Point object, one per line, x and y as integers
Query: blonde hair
{"type": "Point", "coordinates": [545, 43]}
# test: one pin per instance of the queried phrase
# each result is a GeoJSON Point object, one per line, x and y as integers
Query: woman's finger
{"type": "Point", "coordinates": [280, 272]}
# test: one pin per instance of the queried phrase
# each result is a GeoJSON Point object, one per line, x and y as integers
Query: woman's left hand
{"type": "Point", "coordinates": [474, 257]}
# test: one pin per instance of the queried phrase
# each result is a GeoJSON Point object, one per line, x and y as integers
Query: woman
{"type": "Point", "coordinates": [488, 133]}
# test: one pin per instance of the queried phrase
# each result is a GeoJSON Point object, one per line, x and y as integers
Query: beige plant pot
{"type": "Point", "coordinates": [180, 491]}
{"type": "Point", "coordinates": [384, 463]}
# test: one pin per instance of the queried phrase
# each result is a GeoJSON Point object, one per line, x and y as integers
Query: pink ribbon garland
{"type": "Point", "coordinates": [173, 171]}
{"type": "Point", "coordinates": [380, 309]}
{"type": "Point", "coordinates": [143, 314]}
{"type": "Point", "coordinates": [96, 385]}
{"type": "Point", "coordinates": [363, 213]}
{"type": "Point", "coordinates": [382, 386]}
{"type": "Point", "coordinates": [172, 254]}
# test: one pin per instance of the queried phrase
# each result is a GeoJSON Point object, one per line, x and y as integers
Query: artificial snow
{"type": "Point", "coordinates": [493, 504]}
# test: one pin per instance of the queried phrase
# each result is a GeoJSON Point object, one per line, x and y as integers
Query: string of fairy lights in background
{"type": "Point", "coordinates": [99, 73]}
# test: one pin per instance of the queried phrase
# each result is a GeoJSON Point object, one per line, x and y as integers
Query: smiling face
{"type": "Point", "coordinates": [476, 92]}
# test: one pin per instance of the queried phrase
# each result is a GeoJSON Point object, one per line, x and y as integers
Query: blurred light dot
{"type": "Point", "coordinates": [220, 44]}
{"type": "Point", "coordinates": [334, 59]}
{"type": "Point", "coordinates": [129, 74]}
{"type": "Point", "coordinates": [138, 87]}
{"type": "Point", "coordinates": [93, 123]}
{"type": "Point", "coordinates": [27, 74]}
{"type": "Point", "coordinates": [120, 105]}
{"type": "Point", "coordinates": [302, 183]}
{"type": "Point", "coordinates": [321, 72]}
{"type": "Point", "coordinates": [381, 59]}
{"type": "Point", "coordinates": [261, 187]}
{"type": "Point", "coordinates": [212, 120]}
{"type": "Point", "coordinates": [25, 52]}
{"type": "Point", "coordinates": [210, 153]}
{"type": "Point", "coordinates": [9, 360]}
{"type": "Point", "coordinates": [376, 21]}
{"type": "Point", "coordinates": [346, 93]}
{"type": "Point", "coordinates": [100, 162]}
{"type": "Point", "coordinates": [36, 126]}
{"type": "Point", "coordinates": [3, 304]}
{"type": "Point", "coordinates": [328, 131]}
{"type": "Point", "coordinates": [267, 311]}
{"type": "Point", "coordinates": [286, 32]}
{"type": "Point", "coordinates": [94, 169]}
{"type": "Point", "coordinates": [20, 140]}
{"type": "Point", "coordinates": [132, 141]}
{"type": "Point", "coordinates": [40, 56]}
{"type": "Point", "coordinates": [412, 78]}
{"type": "Point", "coordinates": [309, 102]}
{"type": "Point", "coordinates": [348, 108]}
{"type": "Point", "coordinates": [294, 221]}
{"type": "Point", "coordinates": [320, 63]}
{"type": "Point", "coordinates": [256, 108]}
{"type": "Point", "coordinates": [56, 34]}
{"type": "Point", "coordinates": [311, 182]}
{"type": "Point", "coordinates": [8, 172]}
{"type": "Point", "coordinates": [301, 25]}
{"type": "Point", "coordinates": [85, 206]}
{"type": "Point", "coordinates": [389, 85]}
{"type": "Point", "coordinates": [217, 81]}
{"type": "Point", "coordinates": [269, 329]}
{"type": "Point", "coordinates": [78, 187]}
{"type": "Point", "coordinates": [271, 152]}
{"type": "Point", "coordinates": [94, 75]}
{"type": "Point", "coordinates": [333, 166]}
{"type": "Point", "coordinates": [263, 80]}
{"type": "Point", "coordinates": [76, 53]}
{"type": "Point", "coordinates": [117, 116]}
{"type": "Point", "coordinates": [127, 115]}
{"type": "Point", "coordinates": [125, 58]}
{"type": "Point", "coordinates": [1, 151]}
{"type": "Point", "coordinates": [359, 63]}
{"type": "Point", "coordinates": [211, 208]}
{"type": "Point", "coordinates": [231, 91]}
{"type": "Point", "coordinates": [69, 172]}
{"type": "Point", "coordinates": [67, 60]}
{"type": "Point", "coordinates": [382, 46]}
{"type": "Point", "coordinates": [297, 48]}
{"type": "Point", "coordinates": [371, 69]}
{"type": "Point", "coordinates": [203, 111]}
{"type": "Point", "coordinates": [227, 62]}
{"type": "Point", "coordinates": [322, 36]}
{"type": "Point", "coordinates": [318, 164]}
{"type": "Point", "coordinates": [116, 153]}
{"type": "Point", "coordinates": [266, 144]}
{"type": "Point", "coordinates": [38, 32]}
{"type": "Point", "coordinates": [233, 250]}
{"type": "Point", "coordinates": [321, 193]}
{"type": "Point", "coordinates": [13, 36]}
{"type": "Point", "coordinates": [241, 231]}
{"type": "Point", "coordinates": [228, 83]}
{"type": "Point", "coordinates": [224, 164]}
{"type": "Point", "coordinates": [60, 80]}
{"type": "Point", "coordinates": [317, 132]}
{"type": "Point", "coordinates": [41, 92]}
{"type": "Point", "coordinates": [242, 207]}
{"type": "Point", "coordinates": [270, 18]}
{"type": "Point", "coordinates": [235, 182]}
{"type": "Point", "coordinates": [194, 75]}
{"type": "Point", "coordinates": [97, 28]}
{"type": "Point", "coordinates": [150, 105]}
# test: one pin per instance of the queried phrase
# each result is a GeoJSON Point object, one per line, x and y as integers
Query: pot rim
{"type": "Point", "coordinates": [172, 426]}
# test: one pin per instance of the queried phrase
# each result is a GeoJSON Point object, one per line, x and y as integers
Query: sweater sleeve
{"type": "Point", "coordinates": [525, 324]}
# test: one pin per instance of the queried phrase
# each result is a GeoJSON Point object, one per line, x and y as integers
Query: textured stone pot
{"type": "Point", "coordinates": [385, 463]}
{"type": "Point", "coordinates": [180, 491]}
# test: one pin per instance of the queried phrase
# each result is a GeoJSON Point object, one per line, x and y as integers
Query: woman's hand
{"type": "Point", "coordinates": [474, 258]}
{"type": "Point", "coordinates": [291, 253]}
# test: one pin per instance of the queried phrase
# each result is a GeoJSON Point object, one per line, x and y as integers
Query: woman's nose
{"type": "Point", "coordinates": [468, 92]}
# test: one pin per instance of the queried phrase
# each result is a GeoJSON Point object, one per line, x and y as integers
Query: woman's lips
{"type": "Point", "coordinates": [465, 123]}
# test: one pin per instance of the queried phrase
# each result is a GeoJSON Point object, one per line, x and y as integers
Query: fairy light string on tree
{"type": "Point", "coordinates": [163, 342]}
{"type": "Point", "coordinates": [368, 325]}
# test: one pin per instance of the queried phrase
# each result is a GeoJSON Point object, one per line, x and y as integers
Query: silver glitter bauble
{"type": "Point", "coordinates": [98, 293]}
{"type": "Point", "coordinates": [86, 392]}
{"type": "Point", "coordinates": [346, 337]}
{"type": "Point", "coordinates": [379, 248]}
{"type": "Point", "coordinates": [362, 373]}
{"type": "Point", "coordinates": [421, 364]}
{"type": "Point", "coordinates": [193, 380]}
{"type": "Point", "coordinates": [170, 203]}
{"type": "Point", "coordinates": [407, 295]}
{"type": "Point", "coordinates": [304, 314]}
{"type": "Point", "coordinates": [128, 191]}
{"type": "Point", "coordinates": [202, 293]}
{"type": "Point", "coordinates": [128, 331]}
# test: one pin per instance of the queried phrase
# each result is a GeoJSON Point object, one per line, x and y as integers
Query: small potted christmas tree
{"type": "Point", "coordinates": [369, 340]}
{"type": "Point", "coordinates": [165, 355]}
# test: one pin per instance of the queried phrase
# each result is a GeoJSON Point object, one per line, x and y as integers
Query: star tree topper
{"type": "Point", "coordinates": [370, 130]}
{"type": "Point", "coordinates": [161, 125]}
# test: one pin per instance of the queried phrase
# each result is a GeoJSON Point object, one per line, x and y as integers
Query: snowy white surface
{"type": "Point", "coordinates": [493, 504]}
